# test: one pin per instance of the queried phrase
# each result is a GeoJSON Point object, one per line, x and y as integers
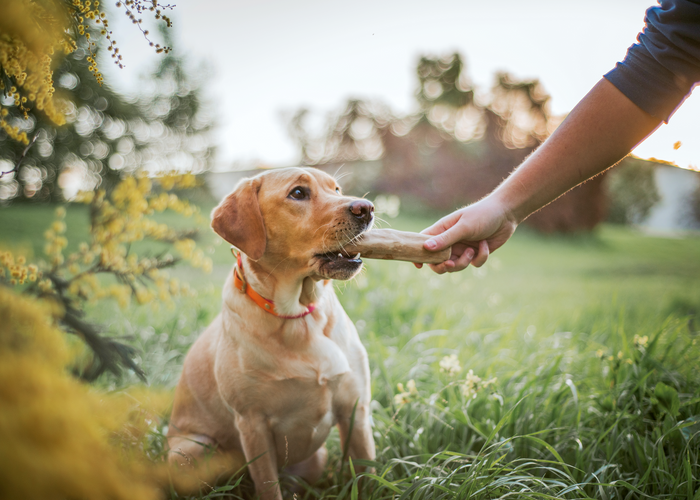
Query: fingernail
{"type": "Point", "coordinates": [430, 244]}
{"type": "Point", "coordinates": [470, 253]}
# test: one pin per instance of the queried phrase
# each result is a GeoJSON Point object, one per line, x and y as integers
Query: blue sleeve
{"type": "Point", "coordinates": [660, 70]}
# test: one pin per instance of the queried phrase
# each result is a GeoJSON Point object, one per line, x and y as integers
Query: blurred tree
{"type": "Point", "coordinates": [456, 148]}
{"type": "Point", "coordinates": [518, 113]}
{"type": "Point", "coordinates": [443, 81]}
{"type": "Point", "coordinates": [105, 134]}
{"type": "Point", "coordinates": [176, 134]}
{"type": "Point", "coordinates": [352, 134]}
{"type": "Point", "coordinates": [515, 116]}
{"type": "Point", "coordinates": [296, 127]}
{"type": "Point", "coordinates": [631, 190]}
{"type": "Point", "coordinates": [695, 207]}
{"type": "Point", "coordinates": [445, 97]}
{"type": "Point", "coordinates": [96, 127]}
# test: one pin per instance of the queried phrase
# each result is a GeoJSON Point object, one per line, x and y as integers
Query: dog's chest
{"type": "Point", "coordinates": [290, 355]}
{"type": "Point", "coordinates": [303, 418]}
{"type": "Point", "coordinates": [321, 360]}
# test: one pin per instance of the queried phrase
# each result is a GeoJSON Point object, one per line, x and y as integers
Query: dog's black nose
{"type": "Point", "coordinates": [362, 209]}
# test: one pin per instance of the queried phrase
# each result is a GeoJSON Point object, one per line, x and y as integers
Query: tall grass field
{"type": "Point", "coordinates": [566, 367]}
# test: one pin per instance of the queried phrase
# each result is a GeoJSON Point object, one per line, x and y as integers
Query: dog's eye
{"type": "Point", "coordinates": [299, 193]}
{"type": "Point", "coordinates": [337, 190]}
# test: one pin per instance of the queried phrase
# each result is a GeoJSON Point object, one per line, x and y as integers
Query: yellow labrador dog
{"type": "Point", "coordinates": [282, 363]}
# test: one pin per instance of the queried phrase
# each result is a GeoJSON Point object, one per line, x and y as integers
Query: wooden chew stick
{"type": "Point", "coordinates": [389, 244]}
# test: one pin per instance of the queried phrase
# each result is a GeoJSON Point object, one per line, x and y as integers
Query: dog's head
{"type": "Point", "coordinates": [295, 218]}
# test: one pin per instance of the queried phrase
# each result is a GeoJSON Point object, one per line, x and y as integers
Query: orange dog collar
{"type": "Point", "coordinates": [265, 304]}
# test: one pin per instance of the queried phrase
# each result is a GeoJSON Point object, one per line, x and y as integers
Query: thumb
{"type": "Point", "coordinates": [444, 240]}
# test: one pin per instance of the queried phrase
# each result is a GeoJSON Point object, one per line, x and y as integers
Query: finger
{"type": "Point", "coordinates": [483, 254]}
{"type": "Point", "coordinates": [418, 266]}
{"type": "Point", "coordinates": [436, 228]}
{"type": "Point", "coordinates": [439, 268]}
{"type": "Point", "coordinates": [446, 239]}
{"type": "Point", "coordinates": [464, 260]}
{"type": "Point", "coordinates": [441, 225]}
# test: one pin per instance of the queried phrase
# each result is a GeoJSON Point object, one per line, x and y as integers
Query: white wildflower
{"type": "Point", "coordinates": [641, 341]}
{"type": "Point", "coordinates": [473, 384]}
{"type": "Point", "coordinates": [450, 365]}
{"type": "Point", "coordinates": [405, 395]}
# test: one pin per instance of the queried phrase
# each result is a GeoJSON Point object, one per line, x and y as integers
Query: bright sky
{"type": "Point", "coordinates": [275, 56]}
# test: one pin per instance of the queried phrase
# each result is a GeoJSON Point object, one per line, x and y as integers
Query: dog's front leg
{"type": "Point", "coordinates": [356, 439]}
{"type": "Point", "coordinates": [259, 449]}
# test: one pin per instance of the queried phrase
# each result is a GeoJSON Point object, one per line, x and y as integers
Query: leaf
{"type": "Point", "coordinates": [552, 451]}
{"type": "Point", "coordinates": [352, 468]}
{"type": "Point", "coordinates": [667, 399]}
{"type": "Point", "coordinates": [688, 474]}
{"type": "Point", "coordinates": [384, 482]}
{"type": "Point", "coordinates": [690, 427]}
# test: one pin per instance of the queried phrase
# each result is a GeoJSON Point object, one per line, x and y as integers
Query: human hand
{"type": "Point", "coordinates": [473, 232]}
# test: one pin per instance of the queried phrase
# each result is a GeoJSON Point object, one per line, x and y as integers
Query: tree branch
{"type": "Point", "coordinates": [19, 162]}
{"type": "Point", "coordinates": [108, 352]}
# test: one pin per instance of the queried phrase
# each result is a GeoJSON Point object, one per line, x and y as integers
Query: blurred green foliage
{"type": "Point", "coordinates": [631, 191]}
{"type": "Point", "coordinates": [695, 206]}
{"type": "Point", "coordinates": [442, 81]}
{"type": "Point", "coordinates": [107, 134]}
{"type": "Point", "coordinates": [593, 339]}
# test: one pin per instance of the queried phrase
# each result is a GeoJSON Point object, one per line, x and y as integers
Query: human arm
{"type": "Point", "coordinates": [599, 131]}
{"type": "Point", "coordinates": [656, 76]}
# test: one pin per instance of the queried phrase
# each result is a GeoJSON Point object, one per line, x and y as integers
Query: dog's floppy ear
{"type": "Point", "coordinates": [238, 220]}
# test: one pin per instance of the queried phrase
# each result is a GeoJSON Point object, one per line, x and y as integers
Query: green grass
{"type": "Point", "coordinates": [561, 421]}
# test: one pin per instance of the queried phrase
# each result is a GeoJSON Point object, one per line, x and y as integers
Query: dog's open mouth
{"type": "Point", "coordinates": [338, 264]}
{"type": "Point", "coordinates": [340, 257]}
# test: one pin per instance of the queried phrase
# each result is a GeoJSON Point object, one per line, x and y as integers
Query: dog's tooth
{"type": "Point", "coordinates": [340, 255]}
{"type": "Point", "coordinates": [358, 255]}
